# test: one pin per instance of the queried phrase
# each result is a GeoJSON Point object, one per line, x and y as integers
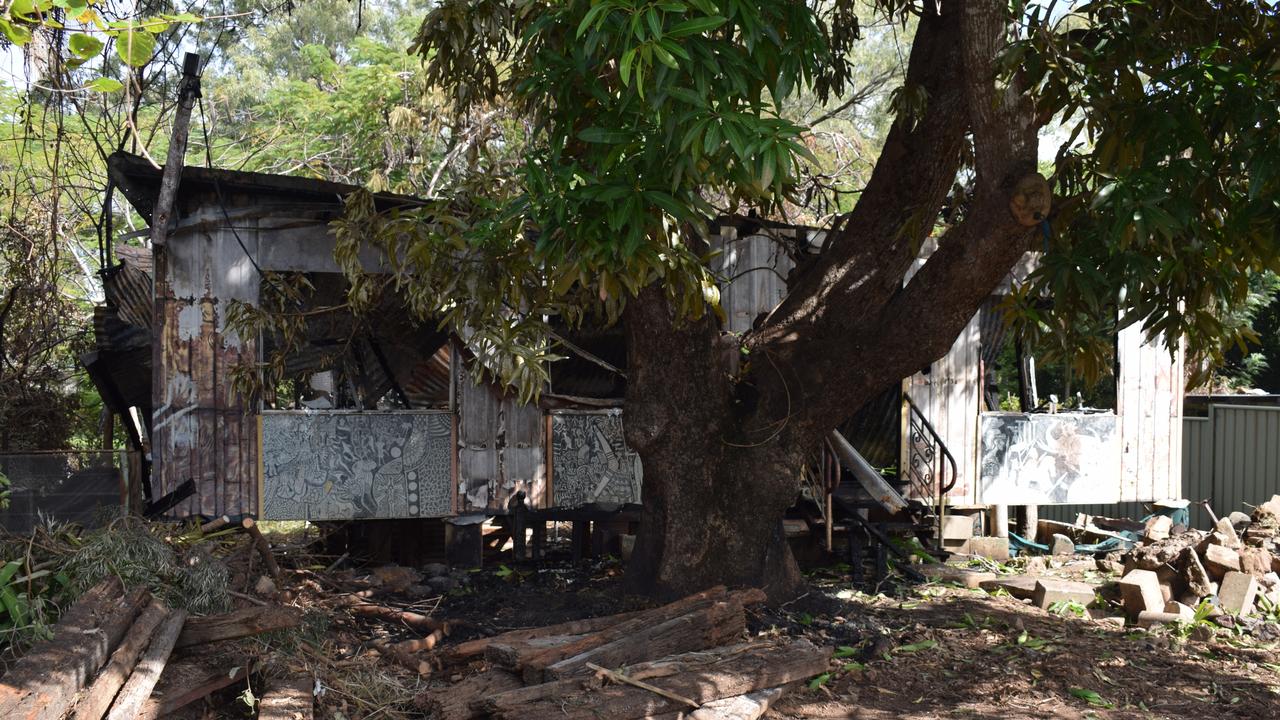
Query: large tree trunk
{"type": "Point", "coordinates": [723, 434]}
{"type": "Point", "coordinates": [713, 499]}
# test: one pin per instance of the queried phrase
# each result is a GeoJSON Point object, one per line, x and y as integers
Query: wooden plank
{"type": "Point", "coordinates": [703, 677]}
{"type": "Point", "coordinates": [186, 681]}
{"type": "Point", "coordinates": [43, 684]}
{"type": "Point", "coordinates": [238, 624]}
{"type": "Point", "coordinates": [1128, 403]}
{"type": "Point", "coordinates": [135, 692]}
{"type": "Point", "coordinates": [95, 701]}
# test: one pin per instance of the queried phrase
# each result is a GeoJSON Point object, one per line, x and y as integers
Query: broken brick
{"type": "Point", "coordinates": [1219, 560]}
{"type": "Point", "coordinates": [1140, 591]}
{"type": "Point", "coordinates": [1237, 593]}
{"type": "Point", "coordinates": [1049, 591]}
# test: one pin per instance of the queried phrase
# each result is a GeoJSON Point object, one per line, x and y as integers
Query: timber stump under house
{"type": "Point", "coordinates": [385, 421]}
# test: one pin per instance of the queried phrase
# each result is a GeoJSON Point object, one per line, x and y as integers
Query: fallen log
{"type": "Point", "coordinates": [292, 700]}
{"type": "Point", "coordinates": [238, 624]}
{"type": "Point", "coordinates": [407, 618]}
{"type": "Point", "coordinates": [477, 647]}
{"type": "Point", "coordinates": [186, 681]}
{"type": "Point", "coordinates": [547, 652]}
{"type": "Point", "coordinates": [402, 658]}
{"type": "Point", "coordinates": [94, 702]}
{"type": "Point", "coordinates": [719, 624]}
{"type": "Point", "coordinates": [45, 682]}
{"type": "Point", "coordinates": [702, 677]}
{"type": "Point", "coordinates": [143, 680]}
{"type": "Point", "coordinates": [455, 702]}
{"type": "Point", "coordinates": [264, 550]}
{"type": "Point", "coordinates": [422, 644]}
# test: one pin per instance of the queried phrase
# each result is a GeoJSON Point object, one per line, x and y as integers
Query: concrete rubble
{"type": "Point", "coordinates": [1169, 574]}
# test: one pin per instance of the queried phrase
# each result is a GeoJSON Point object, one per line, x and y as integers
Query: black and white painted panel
{"type": "Point", "coordinates": [590, 460]}
{"type": "Point", "coordinates": [1037, 459]}
{"type": "Point", "coordinates": [356, 465]}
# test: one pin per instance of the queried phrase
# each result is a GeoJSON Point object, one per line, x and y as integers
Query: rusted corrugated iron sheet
{"type": "Point", "coordinates": [203, 429]}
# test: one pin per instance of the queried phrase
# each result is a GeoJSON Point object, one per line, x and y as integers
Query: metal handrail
{"type": "Point", "coordinates": [937, 441]}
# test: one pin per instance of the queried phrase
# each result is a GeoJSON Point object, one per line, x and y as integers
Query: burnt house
{"type": "Point", "coordinates": [386, 422]}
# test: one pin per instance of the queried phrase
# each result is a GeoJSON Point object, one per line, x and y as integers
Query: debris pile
{"type": "Point", "coordinates": [686, 659]}
{"type": "Point", "coordinates": [1235, 569]}
{"type": "Point", "coordinates": [108, 652]}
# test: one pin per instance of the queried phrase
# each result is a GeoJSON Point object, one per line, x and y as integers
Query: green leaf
{"type": "Point", "coordinates": [1091, 697]}
{"type": "Point", "coordinates": [845, 651]}
{"type": "Point", "coordinates": [22, 8]}
{"type": "Point", "coordinates": [135, 46]}
{"type": "Point", "coordinates": [84, 46]}
{"type": "Point", "coordinates": [624, 65]}
{"type": "Point", "coordinates": [603, 135]}
{"type": "Point", "coordinates": [916, 647]}
{"type": "Point", "coordinates": [696, 26]}
{"type": "Point", "coordinates": [105, 85]}
{"type": "Point", "coordinates": [819, 681]}
{"type": "Point", "coordinates": [17, 34]}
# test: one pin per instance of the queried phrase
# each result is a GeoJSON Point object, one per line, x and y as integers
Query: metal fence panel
{"type": "Point", "coordinates": [69, 486]}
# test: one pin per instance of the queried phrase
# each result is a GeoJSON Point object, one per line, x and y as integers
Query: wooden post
{"type": "Point", "coordinates": [188, 91]}
{"type": "Point", "coordinates": [1000, 521]}
{"type": "Point", "coordinates": [1029, 521]}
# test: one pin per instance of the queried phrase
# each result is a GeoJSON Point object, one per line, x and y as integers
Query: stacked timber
{"type": "Point", "coordinates": [686, 659]}
{"type": "Point", "coordinates": [111, 650]}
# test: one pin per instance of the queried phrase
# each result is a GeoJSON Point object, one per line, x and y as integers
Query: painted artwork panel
{"type": "Point", "coordinates": [1037, 459]}
{"type": "Point", "coordinates": [341, 466]}
{"type": "Point", "coordinates": [590, 461]}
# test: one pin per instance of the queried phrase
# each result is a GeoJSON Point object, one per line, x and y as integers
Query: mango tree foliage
{"type": "Point", "coordinates": [640, 120]}
{"type": "Point", "coordinates": [1169, 182]}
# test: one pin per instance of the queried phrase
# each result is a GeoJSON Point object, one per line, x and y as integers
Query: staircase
{"type": "Point", "coordinates": [875, 506]}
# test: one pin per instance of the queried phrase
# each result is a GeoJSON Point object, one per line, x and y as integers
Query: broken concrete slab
{"type": "Point", "coordinates": [1063, 545]}
{"type": "Point", "coordinates": [1219, 560]}
{"type": "Point", "coordinates": [1238, 592]}
{"type": "Point", "coordinates": [1021, 587]}
{"type": "Point", "coordinates": [1158, 528]}
{"type": "Point", "coordinates": [1149, 618]}
{"type": "Point", "coordinates": [952, 574]}
{"type": "Point", "coordinates": [1194, 574]}
{"type": "Point", "coordinates": [1180, 609]}
{"type": "Point", "coordinates": [1140, 591]}
{"type": "Point", "coordinates": [995, 548]}
{"type": "Point", "coordinates": [1226, 533]}
{"type": "Point", "coordinates": [1255, 561]}
{"type": "Point", "coordinates": [1049, 591]}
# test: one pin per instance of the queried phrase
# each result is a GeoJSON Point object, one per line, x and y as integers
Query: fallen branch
{"type": "Point", "coordinates": [264, 550]}
{"type": "Point", "coordinates": [620, 678]}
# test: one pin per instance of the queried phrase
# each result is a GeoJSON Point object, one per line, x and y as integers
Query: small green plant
{"type": "Point", "coordinates": [819, 681]}
{"type": "Point", "coordinates": [1073, 607]}
{"type": "Point", "coordinates": [1091, 697]}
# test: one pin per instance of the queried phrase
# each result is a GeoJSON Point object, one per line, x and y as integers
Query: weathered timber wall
{"type": "Point", "coordinates": [202, 428]}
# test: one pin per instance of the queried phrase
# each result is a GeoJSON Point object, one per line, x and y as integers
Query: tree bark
{"type": "Point", "coordinates": [713, 503]}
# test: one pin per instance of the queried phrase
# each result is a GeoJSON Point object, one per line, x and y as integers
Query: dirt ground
{"type": "Point", "coordinates": [903, 650]}
{"type": "Point", "coordinates": [932, 650]}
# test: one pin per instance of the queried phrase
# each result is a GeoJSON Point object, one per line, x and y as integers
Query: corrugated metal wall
{"type": "Point", "coordinates": [1231, 458]}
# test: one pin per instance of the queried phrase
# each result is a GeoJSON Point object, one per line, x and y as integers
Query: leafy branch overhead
{"type": "Point", "coordinates": [133, 40]}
